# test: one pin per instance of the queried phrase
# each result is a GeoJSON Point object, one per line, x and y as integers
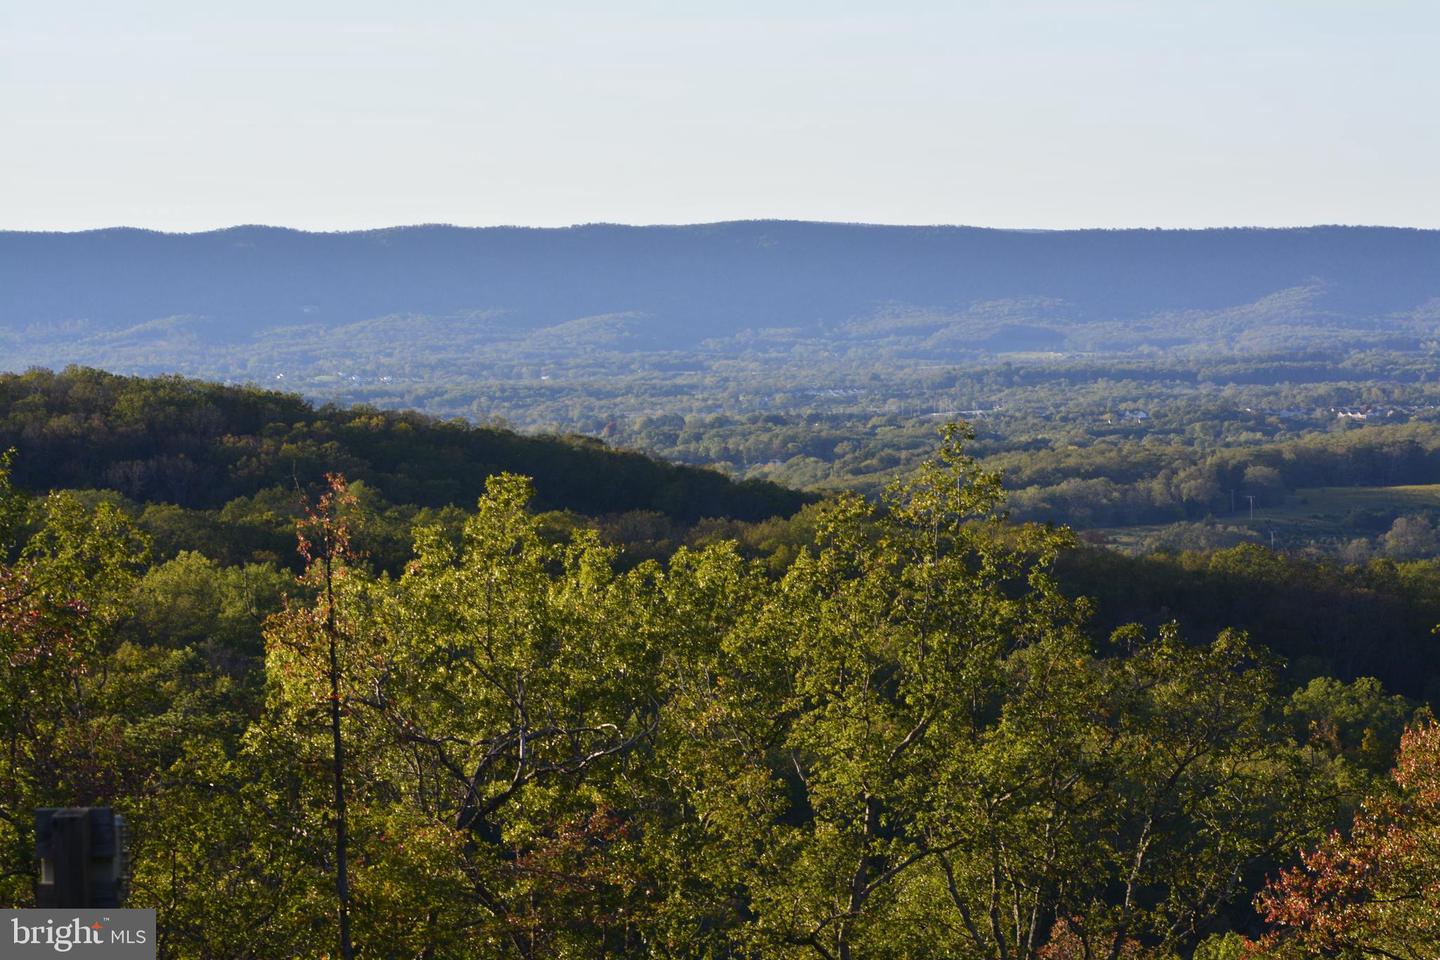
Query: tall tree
{"type": "Point", "coordinates": [314, 653]}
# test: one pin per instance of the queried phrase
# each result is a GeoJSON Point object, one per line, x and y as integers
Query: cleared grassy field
{"type": "Point", "coordinates": [1335, 510]}
{"type": "Point", "coordinates": [1340, 500]}
{"type": "Point", "coordinates": [1320, 514]}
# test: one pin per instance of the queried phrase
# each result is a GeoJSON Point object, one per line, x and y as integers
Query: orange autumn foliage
{"type": "Point", "coordinates": [1375, 892]}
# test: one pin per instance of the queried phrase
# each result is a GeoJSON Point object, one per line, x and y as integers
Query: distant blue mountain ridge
{"type": "Point", "coordinates": [679, 287]}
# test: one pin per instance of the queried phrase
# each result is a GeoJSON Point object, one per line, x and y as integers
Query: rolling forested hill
{"type": "Point", "coordinates": [200, 445]}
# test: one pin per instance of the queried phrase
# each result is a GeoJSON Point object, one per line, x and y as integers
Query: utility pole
{"type": "Point", "coordinates": [1251, 498]}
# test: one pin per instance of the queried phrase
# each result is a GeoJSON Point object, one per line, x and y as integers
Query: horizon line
{"type": "Point", "coordinates": [430, 225]}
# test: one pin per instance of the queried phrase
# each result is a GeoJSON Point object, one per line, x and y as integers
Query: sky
{"type": "Point", "coordinates": [180, 115]}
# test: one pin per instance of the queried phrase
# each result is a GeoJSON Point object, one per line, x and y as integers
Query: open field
{"type": "Point", "coordinates": [1323, 504]}
{"type": "Point", "coordinates": [1314, 514]}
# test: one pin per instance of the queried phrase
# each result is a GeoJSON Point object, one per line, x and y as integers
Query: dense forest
{"type": "Point", "coordinates": [372, 684]}
{"type": "Point", "coordinates": [199, 445]}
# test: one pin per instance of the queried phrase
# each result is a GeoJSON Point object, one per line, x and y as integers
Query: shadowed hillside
{"type": "Point", "coordinates": [201, 445]}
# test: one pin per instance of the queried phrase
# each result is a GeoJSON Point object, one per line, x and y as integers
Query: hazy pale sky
{"type": "Point", "coordinates": [339, 114]}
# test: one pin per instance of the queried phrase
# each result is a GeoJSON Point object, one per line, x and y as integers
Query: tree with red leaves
{"type": "Point", "coordinates": [1375, 892]}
